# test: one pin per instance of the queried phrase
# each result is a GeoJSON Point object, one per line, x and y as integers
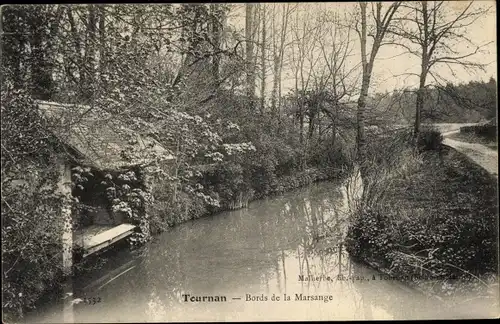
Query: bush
{"type": "Point", "coordinates": [445, 245]}
{"type": "Point", "coordinates": [487, 131]}
{"type": "Point", "coordinates": [333, 155]}
{"type": "Point", "coordinates": [165, 211]}
{"type": "Point", "coordinates": [226, 181]}
{"type": "Point", "coordinates": [429, 140]}
{"type": "Point", "coordinates": [31, 206]}
{"type": "Point", "coordinates": [429, 215]}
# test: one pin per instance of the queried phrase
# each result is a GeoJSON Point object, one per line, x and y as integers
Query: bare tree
{"type": "Point", "coordinates": [431, 31]}
{"type": "Point", "coordinates": [381, 21]}
{"type": "Point", "coordinates": [249, 35]}
{"type": "Point", "coordinates": [305, 58]}
{"type": "Point", "coordinates": [216, 25]}
{"type": "Point", "coordinates": [263, 59]}
{"type": "Point", "coordinates": [278, 48]}
{"type": "Point", "coordinates": [337, 77]}
{"type": "Point", "coordinates": [102, 43]}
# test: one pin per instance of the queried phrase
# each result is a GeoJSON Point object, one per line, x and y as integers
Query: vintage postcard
{"type": "Point", "coordinates": [266, 161]}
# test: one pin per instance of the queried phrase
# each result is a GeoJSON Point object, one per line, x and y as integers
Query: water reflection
{"type": "Point", "coordinates": [263, 250]}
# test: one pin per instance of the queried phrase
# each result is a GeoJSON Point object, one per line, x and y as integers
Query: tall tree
{"type": "Point", "coordinates": [29, 39]}
{"type": "Point", "coordinates": [90, 50]}
{"type": "Point", "coordinates": [381, 22]}
{"type": "Point", "coordinates": [278, 45]}
{"type": "Point", "coordinates": [216, 23]}
{"type": "Point", "coordinates": [337, 80]}
{"type": "Point", "coordinates": [433, 31]}
{"type": "Point", "coordinates": [263, 59]}
{"type": "Point", "coordinates": [249, 53]}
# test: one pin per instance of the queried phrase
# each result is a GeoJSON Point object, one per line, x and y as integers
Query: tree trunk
{"type": "Point", "coordinates": [423, 74]}
{"type": "Point", "coordinates": [278, 62]}
{"type": "Point", "coordinates": [250, 81]}
{"type": "Point", "coordinates": [216, 36]}
{"type": "Point", "coordinates": [319, 125]}
{"type": "Point", "coordinates": [311, 126]}
{"type": "Point", "coordinates": [263, 61]}
{"type": "Point", "coordinates": [284, 29]}
{"type": "Point", "coordinates": [334, 138]}
{"type": "Point", "coordinates": [40, 80]}
{"type": "Point", "coordinates": [42, 61]}
{"type": "Point", "coordinates": [301, 123]}
{"type": "Point", "coordinates": [419, 105]}
{"type": "Point", "coordinates": [102, 44]}
{"type": "Point", "coordinates": [78, 48]}
{"type": "Point", "coordinates": [274, 94]}
{"type": "Point", "coordinates": [255, 39]}
{"type": "Point", "coordinates": [274, 91]}
{"type": "Point", "coordinates": [360, 115]}
{"type": "Point", "coordinates": [89, 58]}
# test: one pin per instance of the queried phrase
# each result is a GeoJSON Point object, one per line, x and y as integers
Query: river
{"type": "Point", "coordinates": [257, 252]}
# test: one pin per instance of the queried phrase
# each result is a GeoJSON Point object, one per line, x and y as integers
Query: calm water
{"type": "Point", "coordinates": [257, 252]}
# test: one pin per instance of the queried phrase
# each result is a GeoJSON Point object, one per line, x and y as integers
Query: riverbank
{"type": "Point", "coordinates": [429, 220]}
{"type": "Point", "coordinates": [264, 249]}
{"type": "Point", "coordinates": [195, 211]}
{"type": "Point", "coordinates": [231, 191]}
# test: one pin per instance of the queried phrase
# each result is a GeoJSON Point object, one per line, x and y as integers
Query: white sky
{"type": "Point", "coordinates": [389, 67]}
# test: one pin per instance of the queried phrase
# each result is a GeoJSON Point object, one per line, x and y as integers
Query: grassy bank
{"type": "Point", "coordinates": [427, 218]}
{"type": "Point", "coordinates": [485, 134]}
{"type": "Point", "coordinates": [474, 138]}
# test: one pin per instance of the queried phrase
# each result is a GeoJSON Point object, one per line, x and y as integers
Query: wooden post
{"type": "Point", "coordinates": [67, 231]}
{"type": "Point", "coordinates": [148, 181]}
{"type": "Point", "coordinates": [67, 241]}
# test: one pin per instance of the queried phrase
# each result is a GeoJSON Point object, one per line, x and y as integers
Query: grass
{"type": "Point", "coordinates": [431, 216]}
{"type": "Point", "coordinates": [474, 138]}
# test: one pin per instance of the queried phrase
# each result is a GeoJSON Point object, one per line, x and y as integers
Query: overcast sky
{"type": "Point", "coordinates": [392, 64]}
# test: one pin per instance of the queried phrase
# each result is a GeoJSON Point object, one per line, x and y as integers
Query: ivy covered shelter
{"type": "Point", "coordinates": [105, 173]}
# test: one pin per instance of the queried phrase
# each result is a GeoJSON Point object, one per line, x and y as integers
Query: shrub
{"type": "Point", "coordinates": [226, 181]}
{"type": "Point", "coordinates": [436, 245]}
{"type": "Point", "coordinates": [429, 140]}
{"type": "Point", "coordinates": [165, 211]}
{"type": "Point", "coordinates": [371, 236]}
{"type": "Point", "coordinates": [426, 216]}
{"type": "Point", "coordinates": [333, 155]}
{"type": "Point", "coordinates": [487, 131]}
{"type": "Point", "coordinates": [31, 249]}
{"type": "Point", "coordinates": [31, 206]}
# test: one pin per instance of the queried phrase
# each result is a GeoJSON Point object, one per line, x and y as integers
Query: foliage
{"type": "Point", "coordinates": [171, 74]}
{"type": "Point", "coordinates": [31, 205]}
{"type": "Point", "coordinates": [433, 217]}
{"type": "Point", "coordinates": [429, 139]}
{"type": "Point", "coordinates": [487, 132]}
{"type": "Point", "coordinates": [474, 96]}
{"type": "Point", "coordinates": [474, 101]}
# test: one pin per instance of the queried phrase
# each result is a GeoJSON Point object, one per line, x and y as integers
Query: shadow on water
{"type": "Point", "coordinates": [285, 246]}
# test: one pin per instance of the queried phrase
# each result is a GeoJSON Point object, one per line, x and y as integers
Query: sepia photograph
{"type": "Point", "coordinates": [266, 161]}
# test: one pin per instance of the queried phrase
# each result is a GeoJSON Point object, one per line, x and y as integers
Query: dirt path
{"type": "Point", "coordinates": [445, 128]}
{"type": "Point", "coordinates": [482, 155]}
